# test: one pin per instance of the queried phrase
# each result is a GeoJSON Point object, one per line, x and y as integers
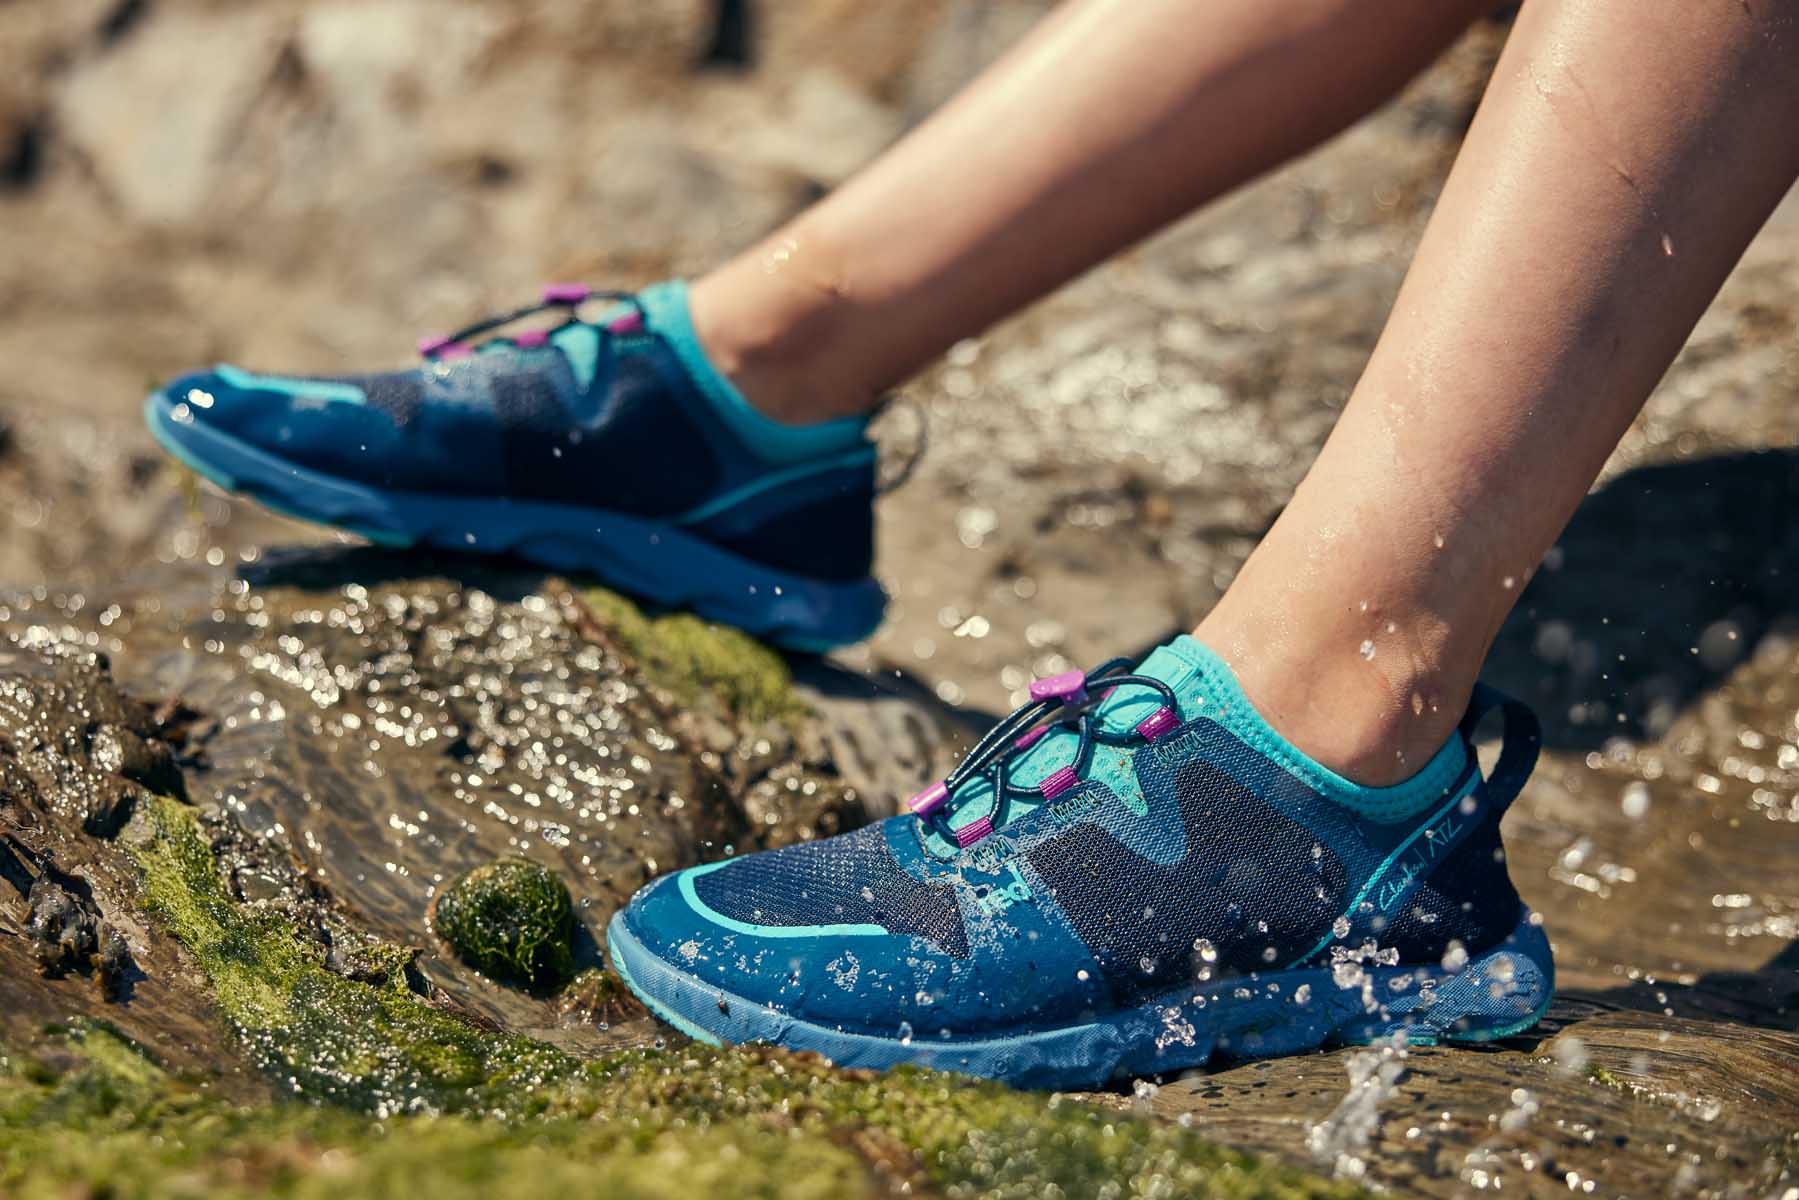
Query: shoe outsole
{"type": "Point", "coordinates": [650, 559]}
{"type": "Point", "coordinates": [1496, 994]}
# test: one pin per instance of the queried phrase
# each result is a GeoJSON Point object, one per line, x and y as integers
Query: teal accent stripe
{"type": "Point", "coordinates": [312, 389]}
{"type": "Point", "coordinates": [1387, 863]}
{"type": "Point", "coordinates": [774, 479]}
{"type": "Point", "coordinates": [580, 344]}
{"type": "Point", "coordinates": [1226, 704]}
{"type": "Point", "coordinates": [666, 314]}
{"type": "Point", "coordinates": [685, 881]}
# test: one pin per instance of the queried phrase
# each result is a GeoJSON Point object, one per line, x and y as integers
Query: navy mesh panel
{"type": "Point", "coordinates": [1468, 898]}
{"type": "Point", "coordinates": [848, 880]}
{"type": "Point", "coordinates": [397, 395]}
{"type": "Point", "coordinates": [1252, 879]}
{"type": "Point", "coordinates": [830, 538]}
{"type": "Point", "coordinates": [640, 454]}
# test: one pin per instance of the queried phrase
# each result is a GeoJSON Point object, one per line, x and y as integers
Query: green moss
{"type": "Point", "coordinates": [688, 655]}
{"type": "Point", "coordinates": [469, 1112]}
{"type": "Point", "coordinates": [598, 996]}
{"type": "Point", "coordinates": [511, 920]}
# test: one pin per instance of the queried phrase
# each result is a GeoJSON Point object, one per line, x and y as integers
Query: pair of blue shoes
{"type": "Point", "coordinates": [1128, 875]}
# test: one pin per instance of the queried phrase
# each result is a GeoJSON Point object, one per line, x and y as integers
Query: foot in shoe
{"type": "Point", "coordinates": [1129, 874]}
{"type": "Point", "coordinates": [608, 445]}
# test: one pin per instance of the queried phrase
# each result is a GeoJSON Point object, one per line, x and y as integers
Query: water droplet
{"type": "Point", "coordinates": [1366, 649]}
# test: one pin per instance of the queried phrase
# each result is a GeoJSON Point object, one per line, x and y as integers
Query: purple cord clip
{"type": "Point", "coordinates": [974, 831]}
{"type": "Point", "coordinates": [930, 800]}
{"type": "Point", "coordinates": [1057, 782]}
{"type": "Point", "coordinates": [566, 293]}
{"type": "Point", "coordinates": [531, 338]}
{"type": "Point", "coordinates": [1157, 723]}
{"type": "Point", "coordinates": [433, 343]}
{"type": "Point", "coordinates": [1070, 687]}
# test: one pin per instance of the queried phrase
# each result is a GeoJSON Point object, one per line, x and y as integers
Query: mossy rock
{"type": "Point", "coordinates": [689, 655]}
{"type": "Point", "coordinates": [512, 921]}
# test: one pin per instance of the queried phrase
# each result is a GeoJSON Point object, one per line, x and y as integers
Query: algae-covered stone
{"type": "Point", "coordinates": [598, 997]}
{"type": "Point", "coordinates": [511, 920]}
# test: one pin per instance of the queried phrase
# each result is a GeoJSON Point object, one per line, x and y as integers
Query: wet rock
{"type": "Point", "coordinates": [70, 916]}
{"type": "Point", "coordinates": [159, 127]}
{"type": "Point", "coordinates": [512, 921]}
{"type": "Point", "coordinates": [113, 965]}
{"type": "Point", "coordinates": [70, 732]}
{"type": "Point", "coordinates": [61, 929]}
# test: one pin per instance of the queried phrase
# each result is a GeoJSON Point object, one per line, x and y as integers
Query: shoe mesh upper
{"type": "Point", "coordinates": [850, 879]}
{"type": "Point", "coordinates": [1247, 884]}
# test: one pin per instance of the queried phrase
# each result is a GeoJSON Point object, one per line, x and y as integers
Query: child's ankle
{"type": "Point", "coordinates": [771, 340]}
{"type": "Point", "coordinates": [1374, 722]}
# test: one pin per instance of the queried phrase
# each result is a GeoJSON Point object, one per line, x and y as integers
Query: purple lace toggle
{"type": "Point", "coordinates": [1057, 782]}
{"type": "Point", "coordinates": [1026, 741]}
{"type": "Point", "coordinates": [432, 343]}
{"type": "Point", "coordinates": [631, 322]}
{"type": "Point", "coordinates": [1070, 687]}
{"type": "Point", "coordinates": [454, 350]}
{"type": "Point", "coordinates": [1157, 723]}
{"type": "Point", "coordinates": [974, 831]}
{"type": "Point", "coordinates": [566, 293]}
{"type": "Point", "coordinates": [929, 800]}
{"type": "Point", "coordinates": [531, 338]}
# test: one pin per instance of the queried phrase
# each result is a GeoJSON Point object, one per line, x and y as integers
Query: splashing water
{"type": "Point", "coordinates": [1342, 1139]}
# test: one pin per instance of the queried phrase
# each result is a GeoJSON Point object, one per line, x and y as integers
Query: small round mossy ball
{"type": "Point", "coordinates": [510, 920]}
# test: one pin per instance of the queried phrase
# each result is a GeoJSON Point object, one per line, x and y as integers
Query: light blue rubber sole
{"type": "Point", "coordinates": [650, 559]}
{"type": "Point", "coordinates": [1496, 994]}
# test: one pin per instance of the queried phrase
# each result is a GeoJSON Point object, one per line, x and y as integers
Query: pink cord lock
{"type": "Point", "coordinates": [435, 343]}
{"type": "Point", "coordinates": [530, 339]}
{"type": "Point", "coordinates": [930, 800]}
{"type": "Point", "coordinates": [566, 293]}
{"type": "Point", "coordinates": [1026, 741]}
{"type": "Point", "coordinates": [1157, 723]}
{"type": "Point", "coordinates": [1057, 782]}
{"type": "Point", "coordinates": [974, 831]}
{"type": "Point", "coordinates": [1070, 687]}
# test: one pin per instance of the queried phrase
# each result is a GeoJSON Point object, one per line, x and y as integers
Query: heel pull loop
{"type": "Point", "coordinates": [1520, 740]}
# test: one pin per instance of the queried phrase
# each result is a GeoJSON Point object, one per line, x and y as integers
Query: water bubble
{"type": "Point", "coordinates": [1366, 650]}
{"type": "Point", "coordinates": [1340, 927]}
{"type": "Point", "coordinates": [1635, 801]}
{"type": "Point", "coordinates": [905, 1033]}
{"type": "Point", "coordinates": [1570, 1054]}
{"type": "Point", "coordinates": [1455, 957]}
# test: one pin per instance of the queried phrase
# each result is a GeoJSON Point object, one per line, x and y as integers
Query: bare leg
{"type": "Point", "coordinates": [1624, 155]}
{"type": "Point", "coordinates": [1111, 119]}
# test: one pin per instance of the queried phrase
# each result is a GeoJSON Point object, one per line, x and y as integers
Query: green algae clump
{"type": "Point", "coordinates": [511, 920]}
{"type": "Point", "coordinates": [689, 655]}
